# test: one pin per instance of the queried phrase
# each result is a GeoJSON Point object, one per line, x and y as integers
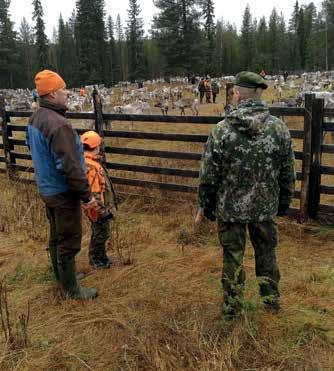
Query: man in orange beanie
{"type": "Point", "coordinates": [60, 174]}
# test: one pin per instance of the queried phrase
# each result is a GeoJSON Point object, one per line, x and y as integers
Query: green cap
{"type": "Point", "coordinates": [250, 80]}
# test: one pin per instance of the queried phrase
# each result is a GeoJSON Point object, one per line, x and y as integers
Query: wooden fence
{"type": "Point", "coordinates": [315, 125]}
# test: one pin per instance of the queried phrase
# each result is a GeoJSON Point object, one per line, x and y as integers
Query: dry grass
{"type": "Point", "coordinates": [162, 311]}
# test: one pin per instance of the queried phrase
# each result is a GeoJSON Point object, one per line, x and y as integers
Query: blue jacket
{"type": "Point", "coordinates": [56, 153]}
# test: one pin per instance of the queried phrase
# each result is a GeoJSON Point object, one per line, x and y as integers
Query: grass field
{"type": "Point", "coordinates": [159, 306]}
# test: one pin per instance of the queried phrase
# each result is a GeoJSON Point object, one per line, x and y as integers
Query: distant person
{"type": "Point", "coordinates": [215, 90]}
{"type": "Point", "coordinates": [285, 76]}
{"type": "Point", "coordinates": [193, 80]}
{"type": "Point", "coordinates": [82, 92]}
{"type": "Point", "coordinates": [201, 89]}
{"type": "Point", "coordinates": [102, 190]}
{"type": "Point", "coordinates": [35, 95]}
{"type": "Point", "coordinates": [207, 85]}
{"type": "Point", "coordinates": [247, 177]}
{"type": "Point", "coordinates": [59, 165]}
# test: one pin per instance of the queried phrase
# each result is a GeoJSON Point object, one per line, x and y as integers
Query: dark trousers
{"type": "Point", "coordinates": [99, 236]}
{"type": "Point", "coordinates": [64, 214]}
{"type": "Point", "coordinates": [214, 97]}
{"type": "Point", "coordinates": [263, 236]}
{"type": "Point", "coordinates": [201, 96]}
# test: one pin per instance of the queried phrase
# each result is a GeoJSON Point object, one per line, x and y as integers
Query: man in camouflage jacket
{"type": "Point", "coordinates": [247, 177]}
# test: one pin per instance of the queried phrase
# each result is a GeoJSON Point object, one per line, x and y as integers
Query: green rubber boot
{"type": "Point", "coordinates": [53, 257]}
{"type": "Point", "coordinates": [69, 283]}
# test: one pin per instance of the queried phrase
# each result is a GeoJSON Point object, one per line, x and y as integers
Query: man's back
{"type": "Point", "coordinates": [249, 163]}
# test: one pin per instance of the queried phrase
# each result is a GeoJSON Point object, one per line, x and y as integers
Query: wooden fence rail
{"type": "Point", "coordinates": [311, 156]}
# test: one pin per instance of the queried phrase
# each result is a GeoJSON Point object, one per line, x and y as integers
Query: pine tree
{"type": "Point", "coordinates": [135, 33]}
{"type": "Point", "coordinates": [40, 37]}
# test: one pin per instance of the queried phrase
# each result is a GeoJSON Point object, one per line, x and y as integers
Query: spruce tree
{"type": "Point", "coordinates": [112, 51]}
{"type": "Point", "coordinates": [8, 53]}
{"type": "Point", "coordinates": [26, 42]}
{"type": "Point", "coordinates": [135, 33]}
{"type": "Point", "coordinates": [40, 37]}
{"type": "Point", "coordinates": [273, 39]}
{"type": "Point", "coordinates": [91, 43]}
{"type": "Point", "coordinates": [247, 40]}
{"type": "Point", "coordinates": [177, 30]}
{"type": "Point", "coordinates": [262, 46]}
{"type": "Point", "coordinates": [120, 67]}
{"type": "Point", "coordinates": [209, 29]}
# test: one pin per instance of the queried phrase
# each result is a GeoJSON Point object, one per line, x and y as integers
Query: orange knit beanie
{"type": "Point", "coordinates": [48, 81]}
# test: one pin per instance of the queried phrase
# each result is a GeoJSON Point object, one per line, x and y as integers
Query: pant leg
{"type": "Point", "coordinates": [99, 235]}
{"type": "Point", "coordinates": [69, 229]}
{"type": "Point", "coordinates": [264, 239]}
{"type": "Point", "coordinates": [201, 95]}
{"type": "Point", "coordinates": [232, 237]}
{"type": "Point", "coordinates": [50, 213]}
{"type": "Point", "coordinates": [214, 97]}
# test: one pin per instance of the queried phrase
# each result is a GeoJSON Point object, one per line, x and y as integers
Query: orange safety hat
{"type": "Point", "coordinates": [91, 138]}
{"type": "Point", "coordinates": [47, 82]}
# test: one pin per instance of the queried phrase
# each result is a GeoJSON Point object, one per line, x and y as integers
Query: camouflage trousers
{"type": "Point", "coordinates": [100, 233]}
{"type": "Point", "coordinates": [263, 236]}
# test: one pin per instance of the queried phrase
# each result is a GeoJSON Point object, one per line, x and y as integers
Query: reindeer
{"type": "Point", "coordinates": [163, 105]}
{"type": "Point", "coordinates": [184, 103]}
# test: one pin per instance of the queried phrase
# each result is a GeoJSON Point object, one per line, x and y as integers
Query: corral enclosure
{"type": "Point", "coordinates": [163, 152]}
{"type": "Point", "coordinates": [159, 309]}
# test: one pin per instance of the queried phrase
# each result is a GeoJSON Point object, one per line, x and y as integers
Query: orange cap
{"type": "Point", "coordinates": [91, 138]}
{"type": "Point", "coordinates": [48, 81]}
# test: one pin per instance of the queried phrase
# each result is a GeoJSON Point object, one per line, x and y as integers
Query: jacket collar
{"type": "Point", "coordinates": [59, 108]}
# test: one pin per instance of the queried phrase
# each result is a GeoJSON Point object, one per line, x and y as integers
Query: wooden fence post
{"type": "Point", "coordinates": [6, 133]}
{"type": "Point", "coordinates": [99, 120]}
{"type": "Point", "coordinates": [307, 158]}
{"type": "Point", "coordinates": [315, 176]}
{"type": "Point", "coordinates": [229, 95]}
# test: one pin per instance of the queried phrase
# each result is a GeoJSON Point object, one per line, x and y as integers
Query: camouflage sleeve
{"type": "Point", "coordinates": [287, 175]}
{"type": "Point", "coordinates": [210, 173]}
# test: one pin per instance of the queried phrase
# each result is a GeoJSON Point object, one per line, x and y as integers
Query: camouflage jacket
{"type": "Point", "coordinates": [247, 167]}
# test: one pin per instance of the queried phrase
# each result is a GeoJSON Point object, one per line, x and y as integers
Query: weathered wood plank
{"type": "Point", "coordinates": [329, 170]}
{"type": "Point", "coordinates": [327, 148]}
{"type": "Point", "coordinates": [327, 190]}
{"type": "Point", "coordinates": [150, 184]}
{"type": "Point", "coordinates": [153, 170]}
{"type": "Point", "coordinates": [157, 136]}
{"type": "Point", "coordinates": [153, 153]}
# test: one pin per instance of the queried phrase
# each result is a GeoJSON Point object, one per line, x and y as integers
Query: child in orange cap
{"type": "Point", "coordinates": [102, 190]}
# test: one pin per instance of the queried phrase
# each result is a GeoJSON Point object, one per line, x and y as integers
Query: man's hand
{"type": "Point", "coordinates": [91, 204]}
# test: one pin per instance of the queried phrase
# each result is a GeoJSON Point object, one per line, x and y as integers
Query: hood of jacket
{"type": "Point", "coordinates": [249, 117]}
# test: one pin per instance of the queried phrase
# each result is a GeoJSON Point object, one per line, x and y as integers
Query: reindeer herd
{"type": "Point", "coordinates": [178, 95]}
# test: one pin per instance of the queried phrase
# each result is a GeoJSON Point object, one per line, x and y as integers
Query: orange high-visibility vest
{"type": "Point", "coordinates": [95, 175]}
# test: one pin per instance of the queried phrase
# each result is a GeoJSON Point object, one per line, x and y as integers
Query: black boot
{"type": "Point", "coordinates": [69, 283]}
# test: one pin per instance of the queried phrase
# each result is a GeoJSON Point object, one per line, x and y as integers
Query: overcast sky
{"type": "Point", "coordinates": [230, 10]}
